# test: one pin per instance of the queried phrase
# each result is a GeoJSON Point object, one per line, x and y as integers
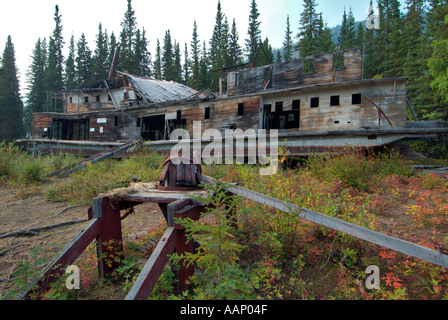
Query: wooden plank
{"type": "Point", "coordinates": [375, 237]}
{"type": "Point", "coordinates": [110, 240]}
{"type": "Point", "coordinates": [173, 207]}
{"type": "Point", "coordinates": [153, 268]}
{"type": "Point", "coordinates": [67, 256]}
{"type": "Point", "coordinates": [100, 157]}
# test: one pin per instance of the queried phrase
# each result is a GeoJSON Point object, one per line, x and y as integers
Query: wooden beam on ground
{"type": "Point", "coordinates": [152, 270]}
{"type": "Point", "coordinates": [375, 237]}
{"type": "Point", "coordinates": [66, 171]}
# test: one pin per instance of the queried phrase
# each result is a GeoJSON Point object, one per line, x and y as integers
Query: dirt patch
{"type": "Point", "coordinates": [36, 250]}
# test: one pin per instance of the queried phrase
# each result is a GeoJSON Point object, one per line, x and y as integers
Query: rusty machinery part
{"type": "Point", "coordinates": [180, 175]}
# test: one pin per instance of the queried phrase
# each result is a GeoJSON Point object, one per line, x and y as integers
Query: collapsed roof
{"type": "Point", "coordinates": [159, 91]}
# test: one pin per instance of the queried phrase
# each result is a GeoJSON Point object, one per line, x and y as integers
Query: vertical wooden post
{"type": "Point", "coordinates": [184, 272]}
{"type": "Point", "coordinates": [183, 245]}
{"type": "Point", "coordinates": [109, 241]}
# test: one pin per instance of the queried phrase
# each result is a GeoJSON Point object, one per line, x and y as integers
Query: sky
{"type": "Point", "coordinates": [27, 20]}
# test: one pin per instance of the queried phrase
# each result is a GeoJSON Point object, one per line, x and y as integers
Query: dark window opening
{"type": "Point", "coordinates": [280, 119]}
{"type": "Point", "coordinates": [64, 129]}
{"type": "Point", "coordinates": [153, 128]}
{"type": "Point", "coordinates": [240, 109]}
{"type": "Point", "coordinates": [179, 115]}
{"type": "Point", "coordinates": [139, 121]}
{"type": "Point", "coordinates": [336, 122]}
{"type": "Point", "coordinates": [115, 121]}
{"type": "Point", "coordinates": [207, 113]}
{"type": "Point", "coordinates": [356, 98]}
{"type": "Point", "coordinates": [97, 98]}
{"type": "Point", "coordinates": [278, 107]}
{"type": "Point", "coordinates": [70, 99]}
{"type": "Point", "coordinates": [295, 104]}
{"type": "Point", "coordinates": [86, 99]}
{"type": "Point", "coordinates": [334, 101]}
{"type": "Point", "coordinates": [314, 102]}
{"type": "Point", "coordinates": [109, 97]}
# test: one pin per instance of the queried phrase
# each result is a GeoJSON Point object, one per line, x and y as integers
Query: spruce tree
{"type": "Point", "coordinates": [11, 105]}
{"type": "Point", "coordinates": [70, 68]}
{"type": "Point", "coordinates": [100, 63]}
{"type": "Point", "coordinates": [54, 71]}
{"type": "Point", "coordinates": [235, 53]}
{"type": "Point", "coordinates": [195, 58]}
{"type": "Point", "coordinates": [287, 42]}
{"type": "Point", "coordinates": [83, 63]}
{"type": "Point", "coordinates": [347, 37]}
{"type": "Point", "coordinates": [388, 39]}
{"type": "Point", "coordinates": [360, 35]}
{"type": "Point", "coordinates": [168, 67]}
{"type": "Point", "coordinates": [254, 33]}
{"type": "Point", "coordinates": [324, 40]}
{"type": "Point", "coordinates": [415, 54]}
{"type": "Point", "coordinates": [204, 69]}
{"type": "Point", "coordinates": [308, 30]}
{"type": "Point", "coordinates": [219, 45]}
{"type": "Point", "coordinates": [36, 96]}
{"type": "Point", "coordinates": [127, 36]}
{"type": "Point", "coordinates": [177, 63]}
{"type": "Point", "coordinates": [141, 57]}
{"type": "Point", "coordinates": [371, 59]}
{"type": "Point", "coordinates": [186, 68]}
{"type": "Point", "coordinates": [438, 61]}
{"type": "Point", "coordinates": [157, 65]}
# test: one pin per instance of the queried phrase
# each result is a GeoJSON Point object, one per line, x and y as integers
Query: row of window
{"type": "Point", "coordinates": [335, 100]}
{"type": "Point", "coordinates": [314, 103]}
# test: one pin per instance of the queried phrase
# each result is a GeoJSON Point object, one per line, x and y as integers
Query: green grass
{"type": "Point", "coordinates": [273, 255]}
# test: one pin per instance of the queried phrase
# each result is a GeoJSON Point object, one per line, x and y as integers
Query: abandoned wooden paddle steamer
{"type": "Point", "coordinates": [319, 103]}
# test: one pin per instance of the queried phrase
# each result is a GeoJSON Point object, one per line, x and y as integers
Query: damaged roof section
{"type": "Point", "coordinates": [158, 91]}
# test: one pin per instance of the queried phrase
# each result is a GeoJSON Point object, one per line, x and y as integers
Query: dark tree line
{"type": "Point", "coordinates": [412, 44]}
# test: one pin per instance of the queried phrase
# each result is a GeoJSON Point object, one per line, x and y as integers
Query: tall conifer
{"type": "Point", "coordinates": [11, 105]}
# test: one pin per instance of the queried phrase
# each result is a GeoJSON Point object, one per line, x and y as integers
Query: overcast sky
{"type": "Point", "coordinates": [27, 20]}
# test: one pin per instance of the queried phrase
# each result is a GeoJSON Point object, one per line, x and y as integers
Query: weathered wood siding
{"type": "Point", "coordinates": [113, 126]}
{"type": "Point", "coordinates": [41, 122]}
{"type": "Point", "coordinates": [82, 102]}
{"type": "Point", "coordinates": [389, 95]}
{"type": "Point", "coordinates": [293, 73]}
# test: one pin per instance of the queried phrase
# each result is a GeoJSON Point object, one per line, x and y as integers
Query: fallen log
{"type": "Point", "coordinates": [35, 231]}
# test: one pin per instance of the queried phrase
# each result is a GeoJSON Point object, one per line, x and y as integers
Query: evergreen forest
{"type": "Point", "coordinates": [412, 42]}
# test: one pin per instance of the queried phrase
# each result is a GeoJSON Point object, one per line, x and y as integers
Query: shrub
{"type": "Point", "coordinates": [351, 167]}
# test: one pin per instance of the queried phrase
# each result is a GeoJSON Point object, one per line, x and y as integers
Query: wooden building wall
{"type": "Point", "coordinates": [246, 112]}
{"type": "Point", "coordinates": [389, 95]}
{"type": "Point", "coordinates": [294, 73]}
